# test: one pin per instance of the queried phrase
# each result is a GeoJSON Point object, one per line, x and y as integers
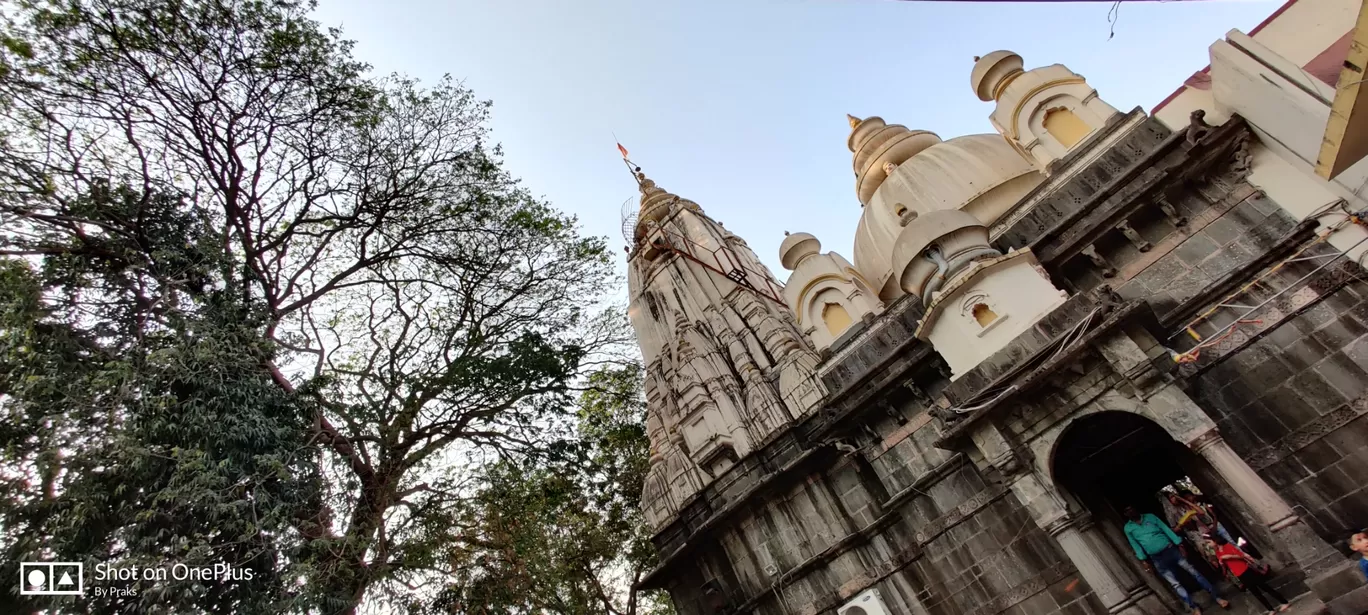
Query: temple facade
{"type": "Point", "coordinates": [1035, 329]}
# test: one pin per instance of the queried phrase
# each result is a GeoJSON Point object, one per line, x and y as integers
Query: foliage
{"type": "Point", "coordinates": [265, 309]}
{"type": "Point", "coordinates": [564, 537]}
{"type": "Point", "coordinates": [134, 394]}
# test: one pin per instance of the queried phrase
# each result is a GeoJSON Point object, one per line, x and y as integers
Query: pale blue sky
{"type": "Point", "coordinates": [740, 104]}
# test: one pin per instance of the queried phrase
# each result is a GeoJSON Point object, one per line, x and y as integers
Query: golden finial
{"type": "Point", "coordinates": [854, 121]}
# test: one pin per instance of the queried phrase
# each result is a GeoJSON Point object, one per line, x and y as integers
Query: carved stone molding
{"type": "Point", "coordinates": [1133, 236]}
{"type": "Point", "coordinates": [1081, 521]}
{"type": "Point", "coordinates": [1207, 439]}
{"type": "Point", "coordinates": [1099, 261]}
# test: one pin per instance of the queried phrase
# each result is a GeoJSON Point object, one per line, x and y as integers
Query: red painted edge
{"type": "Point", "coordinates": [1267, 20]}
{"type": "Point", "coordinates": [1327, 65]}
{"type": "Point", "coordinates": [1270, 18]}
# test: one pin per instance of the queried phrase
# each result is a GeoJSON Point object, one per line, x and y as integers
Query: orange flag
{"type": "Point", "coordinates": [623, 150]}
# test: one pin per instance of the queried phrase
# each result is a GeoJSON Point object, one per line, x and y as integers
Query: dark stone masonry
{"type": "Point", "coordinates": [1010, 504]}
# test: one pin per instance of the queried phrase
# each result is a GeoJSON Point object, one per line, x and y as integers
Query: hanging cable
{"type": "Point", "coordinates": [1062, 343]}
{"type": "Point", "coordinates": [1225, 332]}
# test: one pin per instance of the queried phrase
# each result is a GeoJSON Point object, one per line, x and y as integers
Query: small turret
{"type": "Point", "coordinates": [1044, 112]}
{"type": "Point", "coordinates": [825, 292]}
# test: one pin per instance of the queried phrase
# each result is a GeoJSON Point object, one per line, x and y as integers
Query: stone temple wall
{"type": "Point", "coordinates": [1288, 392]}
{"type": "Point", "coordinates": [883, 488]}
{"type": "Point", "coordinates": [920, 524]}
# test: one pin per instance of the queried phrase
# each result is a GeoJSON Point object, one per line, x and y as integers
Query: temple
{"type": "Point", "coordinates": [1035, 329]}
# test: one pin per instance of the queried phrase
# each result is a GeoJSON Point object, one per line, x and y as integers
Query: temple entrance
{"type": "Point", "coordinates": [1110, 460]}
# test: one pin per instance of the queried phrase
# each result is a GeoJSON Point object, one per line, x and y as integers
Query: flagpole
{"type": "Point", "coordinates": [631, 166]}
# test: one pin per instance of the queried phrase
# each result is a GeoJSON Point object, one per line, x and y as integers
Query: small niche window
{"type": "Point", "coordinates": [1065, 126]}
{"type": "Point", "coordinates": [837, 319]}
{"type": "Point", "coordinates": [984, 315]}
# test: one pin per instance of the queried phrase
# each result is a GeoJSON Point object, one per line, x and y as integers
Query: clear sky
{"type": "Point", "coordinates": [740, 104]}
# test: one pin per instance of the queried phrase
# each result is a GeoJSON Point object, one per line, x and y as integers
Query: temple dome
{"type": "Point", "coordinates": [979, 174]}
{"type": "Point", "coordinates": [992, 72]}
{"type": "Point", "coordinates": [876, 145]}
{"type": "Point", "coordinates": [797, 247]}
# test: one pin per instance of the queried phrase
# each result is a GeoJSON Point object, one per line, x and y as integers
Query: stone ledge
{"type": "Point", "coordinates": [1032, 371]}
{"type": "Point", "coordinates": [1124, 133]}
{"type": "Point", "coordinates": [1127, 193]}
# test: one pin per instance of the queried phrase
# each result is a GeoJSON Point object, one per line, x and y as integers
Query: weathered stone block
{"type": "Point", "coordinates": [1287, 403]}
{"type": "Point", "coordinates": [1196, 249]}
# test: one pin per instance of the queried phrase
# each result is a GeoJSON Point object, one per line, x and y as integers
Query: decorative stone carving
{"type": "Point", "coordinates": [1197, 127]}
{"type": "Point", "coordinates": [715, 350]}
{"type": "Point", "coordinates": [1098, 261]}
{"type": "Point", "coordinates": [1171, 212]}
{"type": "Point", "coordinates": [1133, 236]}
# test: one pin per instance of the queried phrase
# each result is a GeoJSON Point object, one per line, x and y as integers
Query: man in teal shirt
{"type": "Point", "coordinates": [1157, 547]}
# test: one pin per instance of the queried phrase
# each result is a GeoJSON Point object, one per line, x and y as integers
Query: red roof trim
{"type": "Point", "coordinates": [1270, 18]}
{"type": "Point", "coordinates": [1267, 20]}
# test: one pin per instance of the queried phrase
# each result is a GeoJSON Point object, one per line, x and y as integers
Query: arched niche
{"type": "Point", "coordinates": [830, 312]}
{"type": "Point", "coordinates": [836, 318]}
{"type": "Point", "coordinates": [1060, 122]}
{"type": "Point", "coordinates": [1065, 126]}
{"type": "Point", "coordinates": [1106, 460]}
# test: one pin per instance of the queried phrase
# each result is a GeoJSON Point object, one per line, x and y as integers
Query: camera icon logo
{"type": "Point", "coordinates": [51, 578]}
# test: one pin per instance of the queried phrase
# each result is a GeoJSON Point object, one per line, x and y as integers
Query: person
{"type": "Point", "coordinates": [1358, 543]}
{"type": "Point", "coordinates": [1197, 514]}
{"type": "Point", "coordinates": [1158, 548]}
{"type": "Point", "coordinates": [1244, 568]}
{"type": "Point", "coordinates": [1180, 514]}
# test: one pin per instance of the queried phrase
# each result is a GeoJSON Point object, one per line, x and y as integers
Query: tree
{"type": "Point", "coordinates": [152, 432]}
{"type": "Point", "coordinates": [564, 537]}
{"type": "Point", "coordinates": [202, 198]}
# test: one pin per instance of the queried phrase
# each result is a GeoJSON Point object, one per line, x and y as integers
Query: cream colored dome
{"type": "Point", "coordinates": [876, 145]}
{"type": "Point", "coordinates": [992, 72]}
{"type": "Point", "coordinates": [797, 247]}
{"type": "Point", "coordinates": [980, 174]}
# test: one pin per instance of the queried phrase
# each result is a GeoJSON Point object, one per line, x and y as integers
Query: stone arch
{"type": "Point", "coordinates": [831, 292]}
{"type": "Point", "coordinates": [807, 297]}
{"type": "Point", "coordinates": [1044, 446]}
{"type": "Point", "coordinates": [1074, 94]}
{"type": "Point", "coordinates": [1106, 459]}
{"type": "Point", "coordinates": [1058, 107]}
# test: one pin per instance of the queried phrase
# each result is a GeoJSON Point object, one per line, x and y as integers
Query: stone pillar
{"type": "Point", "coordinates": [1333, 579]}
{"type": "Point", "coordinates": [1115, 583]}
{"type": "Point", "coordinates": [1305, 548]}
{"type": "Point", "coordinates": [1261, 499]}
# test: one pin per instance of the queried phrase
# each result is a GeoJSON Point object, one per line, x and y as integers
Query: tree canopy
{"type": "Point", "coordinates": [263, 308]}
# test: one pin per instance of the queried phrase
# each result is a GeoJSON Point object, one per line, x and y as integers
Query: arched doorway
{"type": "Point", "coordinates": [1107, 461]}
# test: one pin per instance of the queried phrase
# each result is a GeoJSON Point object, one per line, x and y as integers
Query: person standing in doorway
{"type": "Point", "coordinates": [1158, 548]}
{"type": "Point", "coordinates": [1197, 514]}
{"type": "Point", "coordinates": [1250, 573]}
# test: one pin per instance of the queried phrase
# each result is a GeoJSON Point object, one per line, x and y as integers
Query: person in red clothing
{"type": "Point", "coordinates": [1247, 571]}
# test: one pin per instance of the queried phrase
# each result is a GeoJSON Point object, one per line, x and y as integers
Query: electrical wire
{"type": "Point", "coordinates": [1193, 354]}
{"type": "Point", "coordinates": [1066, 341]}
